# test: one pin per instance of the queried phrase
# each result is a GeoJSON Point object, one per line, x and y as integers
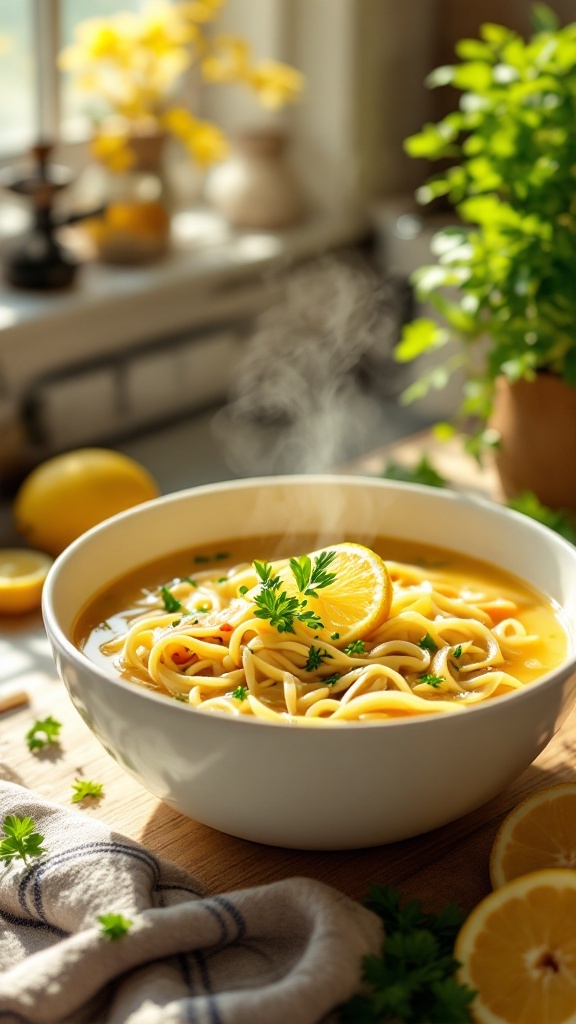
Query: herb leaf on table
{"type": "Point", "coordinates": [412, 981]}
{"type": "Point", "coordinates": [20, 839]}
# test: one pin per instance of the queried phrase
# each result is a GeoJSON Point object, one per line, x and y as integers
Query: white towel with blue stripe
{"type": "Point", "coordinates": [285, 953]}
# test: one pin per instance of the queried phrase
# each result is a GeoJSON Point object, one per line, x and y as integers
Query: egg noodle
{"type": "Point", "coordinates": [208, 642]}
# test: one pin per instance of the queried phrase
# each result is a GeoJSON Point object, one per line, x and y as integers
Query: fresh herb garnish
{"type": "Point", "coordinates": [335, 636]}
{"type": "Point", "coordinates": [311, 578]}
{"type": "Point", "coordinates": [427, 643]}
{"type": "Point", "coordinates": [171, 603]}
{"type": "Point", "coordinates": [432, 680]}
{"type": "Point", "coordinates": [280, 609]}
{"type": "Point", "coordinates": [49, 730]}
{"type": "Point", "coordinates": [242, 590]}
{"type": "Point", "coordinates": [114, 926]}
{"type": "Point", "coordinates": [188, 579]}
{"type": "Point", "coordinates": [330, 680]}
{"type": "Point", "coordinates": [240, 692]}
{"type": "Point", "coordinates": [20, 839]}
{"type": "Point", "coordinates": [316, 655]}
{"type": "Point", "coordinates": [83, 788]}
{"type": "Point", "coordinates": [222, 579]}
{"type": "Point", "coordinates": [355, 647]}
{"type": "Point", "coordinates": [413, 979]}
{"type": "Point", "coordinates": [457, 652]}
{"type": "Point", "coordinates": [199, 559]}
{"type": "Point", "coordinates": [104, 625]}
{"type": "Point", "coordinates": [221, 554]}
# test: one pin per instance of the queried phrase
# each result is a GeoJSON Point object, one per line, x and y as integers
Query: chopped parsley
{"type": "Point", "coordinates": [413, 978]}
{"type": "Point", "coordinates": [114, 926]}
{"type": "Point", "coordinates": [432, 680]}
{"type": "Point", "coordinates": [171, 603]}
{"type": "Point", "coordinates": [356, 647]}
{"type": "Point", "coordinates": [330, 680]}
{"type": "Point", "coordinates": [200, 559]}
{"type": "Point", "coordinates": [427, 643]}
{"type": "Point", "coordinates": [222, 579]}
{"type": "Point", "coordinates": [83, 788]}
{"type": "Point", "coordinates": [242, 590]}
{"type": "Point", "coordinates": [316, 655]}
{"type": "Point", "coordinates": [19, 839]}
{"type": "Point", "coordinates": [188, 579]}
{"type": "Point", "coordinates": [335, 636]}
{"type": "Point", "coordinates": [457, 652]}
{"type": "Point", "coordinates": [240, 692]}
{"type": "Point", "coordinates": [43, 733]}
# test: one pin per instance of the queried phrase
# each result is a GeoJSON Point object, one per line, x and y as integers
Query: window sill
{"type": "Point", "coordinates": [212, 274]}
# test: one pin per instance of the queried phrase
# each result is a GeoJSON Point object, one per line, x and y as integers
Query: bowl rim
{"type": "Point", "coordinates": [59, 638]}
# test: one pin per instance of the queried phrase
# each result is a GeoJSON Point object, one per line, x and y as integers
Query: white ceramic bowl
{"type": "Point", "coordinates": [343, 787]}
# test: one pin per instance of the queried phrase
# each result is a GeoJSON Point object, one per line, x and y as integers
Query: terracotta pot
{"type": "Point", "coordinates": [537, 424]}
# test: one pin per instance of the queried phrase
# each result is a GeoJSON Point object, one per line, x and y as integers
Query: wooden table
{"type": "Point", "coordinates": [448, 863]}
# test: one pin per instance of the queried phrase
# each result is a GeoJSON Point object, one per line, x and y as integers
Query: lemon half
{"type": "Point", "coordinates": [22, 575]}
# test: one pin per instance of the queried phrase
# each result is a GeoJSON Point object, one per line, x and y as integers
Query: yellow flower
{"type": "Point", "coordinates": [201, 10]}
{"type": "Point", "coordinates": [114, 151]}
{"type": "Point", "coordinates": [204, 140]}
{"type": "Point", "coordinates": [229, 60]}
{"type": "Point", "coordinates": [276, 83]}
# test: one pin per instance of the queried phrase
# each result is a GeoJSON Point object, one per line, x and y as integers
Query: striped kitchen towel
{"type": "Point", "coordinates": [285, 953]}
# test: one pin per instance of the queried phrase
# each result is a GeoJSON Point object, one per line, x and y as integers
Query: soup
{"type": "Point", "coordinates": [223, 629]}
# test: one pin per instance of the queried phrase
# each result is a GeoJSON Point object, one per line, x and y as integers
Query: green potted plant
{"type": "Point", "coordinates": [504, 282]}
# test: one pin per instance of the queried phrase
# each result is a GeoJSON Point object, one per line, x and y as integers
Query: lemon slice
{"type": "Point", "coordinates": [355, 603]}
{"type": "Point", "coordinates": [539, 833]}
{"type": "Point", "coordinates": [22, 575]}
{"type": "Point", "coordinates": [517, 949]}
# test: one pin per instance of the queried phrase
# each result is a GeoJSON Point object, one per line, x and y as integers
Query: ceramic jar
{"type": "Point", "coordinates": [257, 188]}
{"type": "Point", "coordinates": [135, 226]}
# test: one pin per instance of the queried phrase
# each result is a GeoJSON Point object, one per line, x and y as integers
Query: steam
{"type": "Point", "coordinates": [302, 402]}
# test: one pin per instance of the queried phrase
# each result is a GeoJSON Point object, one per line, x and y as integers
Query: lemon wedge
{"type": "Point", "coordinates": [358, 599]}
{"type": "Point", "coordinates": [22, 575]}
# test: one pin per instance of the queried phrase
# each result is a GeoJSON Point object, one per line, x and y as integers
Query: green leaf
{"type": "Point", "coordinates": [419, 336]}
{"type": "Point", "coordinates": [473, 76]}
{"type": "Point", "coordinates": [544, 19]}
{"type": "Point", "coordinates": [114, 926]}
{"type": "Point", "coordinates": [171, 603]}
{"type": "Point", "coordinates": [559, 520]}
{"type": "Point", "coordinates": [434, 142]}
{"type": "Point", "coordinates": [20, 839]}
{"type": "Point", "coordinates": [83, 788]}
{"type": "Point", "coordinates": [474, 49]}
{"type": "Point", "coordinates": [422, 473]}
{"type": "Point", "coordinates": [42, 733]}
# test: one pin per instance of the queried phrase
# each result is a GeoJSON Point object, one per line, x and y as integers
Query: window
{"type": "Point", "coordinates": [17, 76]}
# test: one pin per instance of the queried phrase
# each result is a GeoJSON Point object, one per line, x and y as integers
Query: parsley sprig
{"type": "Point", "coordinates": [431, 679]}
{"type": "Point", "coordinates": [274, 604]}
{"type": "Point", "coordinates": [412, 980]}
{"type": "Point", "coordinates": [20, 839]}
{"type": "Point", "coordinates": [84, 787]}
{"type": "Point", "coordinates": [43, 732]}
{"type": "Point", "coordinates": [311, 578]}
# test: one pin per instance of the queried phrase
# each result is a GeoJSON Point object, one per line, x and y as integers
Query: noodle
{"type": "Point", "coordinates": [442, 649]}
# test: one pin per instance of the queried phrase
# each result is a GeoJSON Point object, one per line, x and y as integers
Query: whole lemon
{"type": "Point", "coordinates": [67, 494]}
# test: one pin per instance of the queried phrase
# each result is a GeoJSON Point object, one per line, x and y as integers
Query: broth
{"type": "Point", "coordinates": [524, 626]}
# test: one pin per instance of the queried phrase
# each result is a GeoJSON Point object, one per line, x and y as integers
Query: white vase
{"type": "Point", "coordinates": [257, 188]}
